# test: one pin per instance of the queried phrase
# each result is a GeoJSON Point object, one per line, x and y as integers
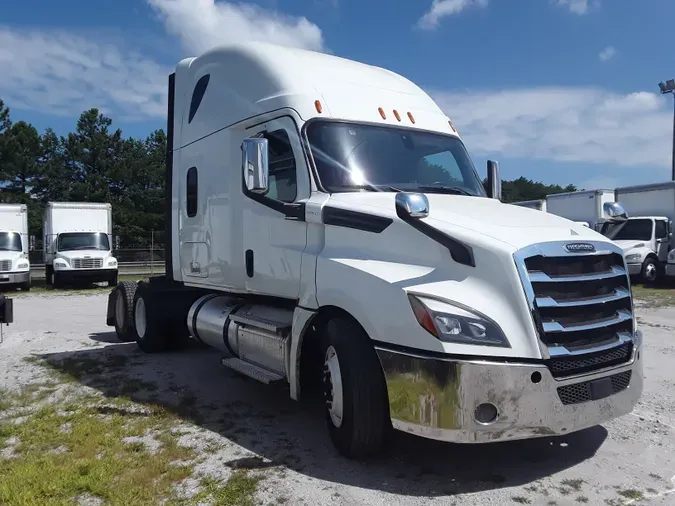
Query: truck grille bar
{"type": "Point", "coordinates": [581, 305]}
{"type": "Point", "coordinates": [87, 263]}
{"type": "Point", "coordinates": [5, 265]}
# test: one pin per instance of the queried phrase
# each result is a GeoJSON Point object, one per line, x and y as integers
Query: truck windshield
{"type": "Point", "coordinates": [639, 230]}
{"type": "Point", "coordinates": [73, 241]}
{"type": "Point", "coordinates": [10, 241]}
{"type": "Point", "coordinates": [353, 157]}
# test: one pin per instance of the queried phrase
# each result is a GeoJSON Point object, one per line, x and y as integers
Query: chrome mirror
{"type": "Point", "coordinates": [411, 205]}
{"type": "Point", "coordinates": [494, 180]}
{"type": "Point", "coordinates": [255, 165]}
{"type": "Point", "coordinates": [615, 211]}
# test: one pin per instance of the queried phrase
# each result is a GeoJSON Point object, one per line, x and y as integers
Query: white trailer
{"type": "Point", "coordinates": [539, 204]}
{"type": "Point", "coordinates": [14, 246]}
{"type": "Point", "coordinates": [326, 227]}
{"type": "Point", "coordinates": [78, 243]}
{"type": "Point", "coordinates": [587, 206]}
{"type": "Point", "coordinates": [647, 236]}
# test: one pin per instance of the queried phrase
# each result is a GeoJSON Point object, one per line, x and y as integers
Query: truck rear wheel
{"type": "Point", "coordinates": [148, 328]}
{"type": "Point", "coordinates": [124, 311]}
{"type": "Point", "coordinates": [354, 390]}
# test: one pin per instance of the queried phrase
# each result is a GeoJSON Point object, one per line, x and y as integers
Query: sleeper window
{"type": "Point", "coordinates": [191, 190]}
{"type": "Point", "coordinates": [283, 176]}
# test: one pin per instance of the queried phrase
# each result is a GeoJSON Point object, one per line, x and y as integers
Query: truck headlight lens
{"type": "Point", "coordinates": [112, 262]}
{"type": "Point", "coordinates": [454, 324]}
{"type": "Point", "coordinates": [634, 257]}
{"type": "Point", "coordinates": [60, 264]}
{"type": "Point", "coordinates": [22, 265]}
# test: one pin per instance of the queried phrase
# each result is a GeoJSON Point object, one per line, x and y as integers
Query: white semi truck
{"type": "Point", "coordinates": [538, 204]}
{"type": "Point", "coordinates": [647, 236]}
{"type": "Point", "coordinates": [78, 243]}
{"type": "Point", "coordinates": [14, 246]}
{"type": "Point", "coordinates": [586, 206]}
{"type": "Point", "coordinates": [326, 228]}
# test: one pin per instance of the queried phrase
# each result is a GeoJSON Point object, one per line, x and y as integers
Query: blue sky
{"type": "Point", "coordinates": [560, 91]}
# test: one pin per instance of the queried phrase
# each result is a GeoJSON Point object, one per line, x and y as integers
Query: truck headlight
{"type": "Point", "coordinates": [22, 265]}
{"type": "Point", "coordinates": [60, 264]}
{"type": "Point", "coordinates": [452, 323]}
{"type": "Point", "coordinates": [634, 257]}
{"type": "Point", "coordinates": [112, 262]}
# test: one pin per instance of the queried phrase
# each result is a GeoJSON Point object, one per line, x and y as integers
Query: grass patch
{"type": "Point", "coordinates": [631, 493]}
{"type": "Point", "coordinates": [655, 296]}
{"type": "Point", "coordinates": [38, 286]}
{"type": "Point", "coordinates": [520, 500]}
{"type": "Point", "coordinates": [113, 450]}
{"type": "Point", "coordinates": [574, 484]}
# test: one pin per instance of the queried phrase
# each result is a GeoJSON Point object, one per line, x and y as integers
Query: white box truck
{"type": "Point", "coordinates": [327, 229]}
{"type": "Point", "coordinates": [78, 243]}
{"type": "Point", "coordinates": [647, 236]}
{"type": "Point", "coordinates": [584, 206]}
{"type": "Point", "coordinates": [14, 247]}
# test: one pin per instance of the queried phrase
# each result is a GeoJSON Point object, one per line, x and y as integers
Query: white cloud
{"type": "Point", "coordinates": [607, 54]}
{"type": "Point", "coordinates": [577, 6]}
{"type": "Point", "coordinates": [564, 124]}
{"type": "Point", "coordinates": [443, 8]}
{"type": "Point", "coordinates": [202, 24]}
{"type": "Point", "coordinates": [56, 72]}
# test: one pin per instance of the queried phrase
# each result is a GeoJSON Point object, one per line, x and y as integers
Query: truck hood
{"type": "Point", "coordinates": [82, 253]}
{"type": "Point", "coordinates": [628, 244]}
{"type": "Point", "coordinates": [10, 255]}
{"type": "Point", "coordinates": [512, 225]}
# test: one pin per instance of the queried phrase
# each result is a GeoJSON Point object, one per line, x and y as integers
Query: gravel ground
{"type": "Point", "coordinates": [238, 423]}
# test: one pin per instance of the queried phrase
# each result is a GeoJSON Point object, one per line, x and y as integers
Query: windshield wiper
{"type": "Point", "coordinates": [446, 189]}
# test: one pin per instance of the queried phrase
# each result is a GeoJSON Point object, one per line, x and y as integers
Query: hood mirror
{"type": "Point", "coordinates": [494, 181]}
{"type": "Point", "coordinates": [412, 205]}
{"type": "Point", "coordinates": [615, 211]}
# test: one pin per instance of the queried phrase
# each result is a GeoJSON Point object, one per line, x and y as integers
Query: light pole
{"type": "Point", "coordinates": [669, 87]}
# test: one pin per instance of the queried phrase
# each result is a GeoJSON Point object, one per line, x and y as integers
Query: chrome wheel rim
{"type": "Point", "coordinates": [332, 382]}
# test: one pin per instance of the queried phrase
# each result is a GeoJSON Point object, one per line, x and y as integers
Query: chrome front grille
{"type": "Point", "coordinates": [86, 263]}
{"type": "Point", "coordinates": [581, 304]}
{"type": "Point", "coordinates": [5, 265]}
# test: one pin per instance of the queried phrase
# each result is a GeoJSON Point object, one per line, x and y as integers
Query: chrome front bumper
{"type": "Point", "coordinates": [437, 398]}
{"type": "Point", "coordinates": [634, 269]}
{"type": "Point", "coordinates": [12, 278]}
{"type": "Point", "coordinates": [670, 270]}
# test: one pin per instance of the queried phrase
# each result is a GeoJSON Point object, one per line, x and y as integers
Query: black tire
{"type": "Point", "coordinates": [113, 281]}
{"type": "Point", "coordinates": [123, 311]}
{"type": "Point", "coordinates": [650, 271]}
{"type": "Point", "coordinates": [150, 335]}
{"type": "Point", "coordinates": [365, 427]}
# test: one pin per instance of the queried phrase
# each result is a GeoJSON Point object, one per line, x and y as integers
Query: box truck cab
{"type": "Point", "coordinates": [78, 243]}
{"type": "Point", "coordinates": [14, 247]}
{"type": "Point", "coordinates": [647, 236]}
{"type": "Point", "coordinates": [327, 229]}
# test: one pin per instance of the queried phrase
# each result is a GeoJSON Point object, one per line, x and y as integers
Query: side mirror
{"type": "Point", "coordinates": [255, 165]}
{"type": "Point", "coordinates": [494, 181]}
{"type": "Point", "coordinates": [31, 243]}
{"type": "Point", "coordinates": [411, 205]}
{"type": "Point", "coordinates": [615, 211]}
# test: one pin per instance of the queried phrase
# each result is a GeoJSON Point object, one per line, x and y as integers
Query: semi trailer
{"type": "Point", "coordinates": [14, 246]}
{"type": "Point", "coordinates": [584, 206]}
{"type": "Point", "coordinates": [78, 243]}
{"type": "Point", "coordinates": [327, 229]}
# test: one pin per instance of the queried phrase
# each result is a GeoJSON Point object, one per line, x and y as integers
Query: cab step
{"type": "Point", "coordinates": [251, 370]}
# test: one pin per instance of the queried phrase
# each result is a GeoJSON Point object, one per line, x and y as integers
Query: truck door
{"type": "Point", "coordinates": [274, 242]}
{"type": "Point", "coordinates": [662, 236]}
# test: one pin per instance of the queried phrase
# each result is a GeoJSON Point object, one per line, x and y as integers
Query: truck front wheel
{"type": "Point", "coordinates": [650, 271]}
{"type": "Point", "coordinates": [354, 390]}
{"type": "Point", "coordinates": [124, 314]}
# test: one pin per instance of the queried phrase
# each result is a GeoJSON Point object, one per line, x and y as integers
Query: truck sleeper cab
{"type": "Point", "coordinates": [328, 229]}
